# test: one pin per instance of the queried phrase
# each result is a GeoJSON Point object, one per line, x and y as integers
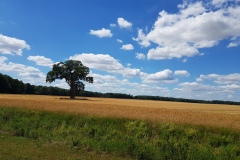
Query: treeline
{"type": "Point", "coordinates": [172, 99]}
{"type": "Point", "coordinates": [10, 85]}
{"type": "Point", "coordinates": [15, 86]}
{"type": "Point", "coordinates": [106, 95]}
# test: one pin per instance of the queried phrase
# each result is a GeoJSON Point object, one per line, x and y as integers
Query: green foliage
{"type": "Point", "coordinates": [21, 148]}
{"type": "Point", "coordinates": [172, 99]}
{"type": "Point", "coordinates": [14, 86]}
{"type": "Point", "coordinates": [123, 137]}
{"type": "Point", "coordinates": [10, 85]}
{"type": "Point", "coordinates": [73, 71]}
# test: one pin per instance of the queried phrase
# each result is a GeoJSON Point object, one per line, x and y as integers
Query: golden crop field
{"type": "Point", "coordinates": [227, 116]}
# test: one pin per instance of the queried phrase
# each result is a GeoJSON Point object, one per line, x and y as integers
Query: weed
{"type": "Point", "coordinates": [137, 139]}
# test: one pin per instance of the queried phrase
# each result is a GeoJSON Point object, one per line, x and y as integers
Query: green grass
{"type": "Point", "coordinates": [21, 148]}
{"type": "Point", "coordinates": [84, 137]}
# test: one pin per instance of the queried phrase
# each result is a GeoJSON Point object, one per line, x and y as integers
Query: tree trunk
{"type": "Point", "coordinates": [72, 93]}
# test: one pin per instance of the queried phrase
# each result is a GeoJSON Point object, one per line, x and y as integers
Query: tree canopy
{"type": "Point", "coordinates": [74, 72]}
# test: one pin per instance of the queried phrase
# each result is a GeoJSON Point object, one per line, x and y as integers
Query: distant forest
{"type": "Point", "coordinates": [15, 86]}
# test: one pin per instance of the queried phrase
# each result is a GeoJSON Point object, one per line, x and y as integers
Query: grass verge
{"type": "Point", "coordinates": [58, 134]}
{"type": "Point", "coordinates": [12, 147]}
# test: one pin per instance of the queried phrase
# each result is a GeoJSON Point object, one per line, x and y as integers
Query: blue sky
{"type": "Point", "coordinates": [173, 48]}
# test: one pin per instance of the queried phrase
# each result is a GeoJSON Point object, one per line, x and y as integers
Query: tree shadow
{"type": "Point", "coordinates": [77, 98]}
{"type": "Point", "coordinates": [74, 99]}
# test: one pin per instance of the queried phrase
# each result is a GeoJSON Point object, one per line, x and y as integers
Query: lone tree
{"type": "Point", "coordinates": [74, 72]}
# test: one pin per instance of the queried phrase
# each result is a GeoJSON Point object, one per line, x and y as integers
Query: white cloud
{"type": "Point", "coordinates": [230, 87]}
{"type": "Point", "coordinates": [113, 25]}
{"type": "Point", "coordinates": [221, 79]}
{"type": "Point", "coordinates": [192, 10]}
{"type": "Point", "coordinates": [165, 76]}
{"type": "Point", "coordinates": [142, 39]}
{"type": "Point", "coordinates": [184, 60]}
{"type": "Point", "coordinates": [9, 45]}
{"type": "Point", "coordinates": [182, 73]}
{"type": "Point", "coordinates": [27, 73]}
{"type": "Point", "coordinates": [119, 40]}
{"type": "Point", "coordinates": [196, 90]}
{"type": "Point", "coordinates": [109, 83]}
{"type": "Point", "coordinates": [219, 3]}
{"type": "Point", "coordinates": [127, 47]}
{"type": "Point", "coordinates": [140, 56]}
{"type": "Point", "coordinates": [130, 72]}
{"type": "Point", "coordinates": [41, 60]}
{"type": "Point", "coordinates": [101, 79]}
{"type": "Point", "coordinates": [168, 52]}
{"type": "Point", "coordinates": [124, 23]}
{"type": "Point", "coordinates": [212, 86]}
{"type": "Point", "coordinates": [99, 61]}
{"type": "Point", "coordinates": [3, 59]}
{"type": "Point", "coordinates": [196, 87]}
{"type": "Point", "coordinates": [101, 33]}
{"type": "Point", "coordinates": [233, 44]}
{"type": "Point", "coordinates": [106, 63]}
{"type": "Point", "coordinates": [195, 26]}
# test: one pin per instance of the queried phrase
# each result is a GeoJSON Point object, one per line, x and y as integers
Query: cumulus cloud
{"type": "Point", "coordinates": [196, 87]}
{"type": "Point", "coordinates": [98, 61]}
{"type": "Point", "coordinates": [41, 60]}
{"type": "Point", "coordinates": [167, 52]}
{"type": "Point", "coordinates": [142, 39]}
{"type": "Point", "coordinates": [109, 83]}
{"type": "Point", "coordinates": [230, 87]}
{"type": "Point", "coordinates": [3, 59]}
{"type": "Point", "coordinates": [131, 72]}
{"type": "Point", "coordinates": [182, 73]}
{"type": "Point", "coordinates": [221, 79]}
{"type": "Point", "coordinates": [140, 56]}
{"type": "Point", "coordinates": [127, 47]}
{"type": "Point", "coordinates": [219, 3]}
{"type": "Point", "coordinates": [106, 63]}
{"type": "Point", "coordinates": [195, 26]}
{"type": "Point", "coordinates": [101, 33]}
{"type": "Point", "coordinates": [197, 90]}
{"type": "Point", "coordinates": [211, 86]}
{"type": "Point", "coordinates": [9, 45]}
{"type": "Point", "coordinates": [28, 73]}
{"type": "Point", "coordinates": [165, 76]}
{"type": "Point", "coordinates": [124, 23]}
{"type": "Point", "coordinates": [104, 79]}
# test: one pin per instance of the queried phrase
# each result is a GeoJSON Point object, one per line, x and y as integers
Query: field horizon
{"type": "Point", "coordinates": [214, 115]}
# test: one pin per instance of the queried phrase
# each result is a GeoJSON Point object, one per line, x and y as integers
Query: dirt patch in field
{"type": "Point", "coordinates": [227, 116]}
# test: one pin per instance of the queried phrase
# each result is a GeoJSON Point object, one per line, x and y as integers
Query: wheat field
{"type": "Point", "coordinates": [224, 116]}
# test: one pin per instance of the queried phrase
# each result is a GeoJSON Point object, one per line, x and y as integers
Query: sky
{"type": "Point", "coordinates": [171, 48]}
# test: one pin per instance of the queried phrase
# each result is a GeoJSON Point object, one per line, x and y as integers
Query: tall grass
{"type": "Point", "coordinates": [124, 137]}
